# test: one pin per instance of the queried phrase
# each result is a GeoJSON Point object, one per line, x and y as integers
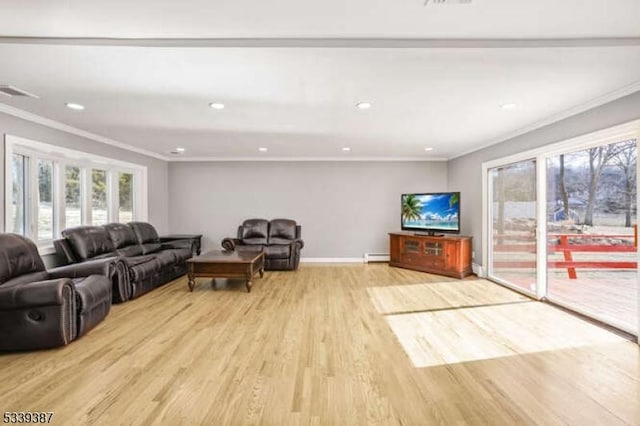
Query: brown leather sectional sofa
{"type": "Point", "coordinates": [142, 261]}
{"type": "Point", "coordinates": [42, 309]}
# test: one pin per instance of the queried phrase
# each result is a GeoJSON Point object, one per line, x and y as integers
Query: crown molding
{"type": "Point", "coordinates": [328, 42]}
{"type": "Point", "coordinates": [302, 159]}
{"type": "Point", "coordinates": [594, 103]}
{"type": "Point", "coordinates": [34, 118]}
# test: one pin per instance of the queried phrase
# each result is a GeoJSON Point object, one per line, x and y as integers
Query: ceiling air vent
{"type": "Point", "coordinates": [9, 90]}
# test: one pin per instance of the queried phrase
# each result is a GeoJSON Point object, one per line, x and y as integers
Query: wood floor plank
{"type": "Point", "coordinates": [332, 344]}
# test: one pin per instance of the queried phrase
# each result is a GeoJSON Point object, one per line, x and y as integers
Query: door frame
{"type": "Point", "coordinates": [630, 130]}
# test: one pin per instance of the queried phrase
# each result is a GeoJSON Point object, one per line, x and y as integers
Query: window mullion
{"type": "Point", "coordinates": [58, 198]}
{"type": "Point", "coordinates": [112, 195]}
{"type": "Point", "coordinates": [32, 196]}
{"type": "Point", "coordinates": [85, 191]}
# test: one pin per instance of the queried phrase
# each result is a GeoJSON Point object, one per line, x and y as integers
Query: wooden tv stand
{"type": "Point", "coordinates": [444, 255]}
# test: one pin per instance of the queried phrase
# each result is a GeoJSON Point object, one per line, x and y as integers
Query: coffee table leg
{"type": "Point", "coordinates": [192, 280]}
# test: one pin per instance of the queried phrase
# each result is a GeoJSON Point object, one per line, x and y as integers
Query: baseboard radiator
{"type": "Point", "coordinates": [376, 257]}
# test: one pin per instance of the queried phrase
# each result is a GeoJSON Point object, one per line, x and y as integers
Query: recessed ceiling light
{"type": "Point", "coordinates": [216, 105]}
{"type": "Point", "coordinates": [346, 149]}
{"type": "Point", "coordinates": [75, 106]}
{"type": "Point", "coordinates": [363, 105]}
{"type": "Point", "coordinates": [508, 106]}
{"type": "Point", "coordinates": [428, 149]}
{"type": "Point", "coordinates": [262, 149]}
{"type": "Point", "coordinates": [179, 149]}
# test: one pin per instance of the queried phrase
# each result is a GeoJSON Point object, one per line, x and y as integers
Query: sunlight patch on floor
{"type": "Point", "coordinates": [472, 334]}
{"type": "Point", "coordinates": [440, 295]}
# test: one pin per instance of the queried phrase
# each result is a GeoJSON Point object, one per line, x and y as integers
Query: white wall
{"type": "Point", "coordinates": [465, 173]}
{"type": "Point", "coordinates": [345, 208]}
{"type": "Point", "coordinates": [157, 171]}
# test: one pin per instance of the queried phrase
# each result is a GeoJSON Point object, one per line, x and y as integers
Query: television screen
{"type": "Point", "coordinates": [434, 212]}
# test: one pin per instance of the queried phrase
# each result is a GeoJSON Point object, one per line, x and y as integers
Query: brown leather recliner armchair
{"type": "Point", "coordinates": [42, 309]}
{"type": "Point", "coordinates": [278, 238]}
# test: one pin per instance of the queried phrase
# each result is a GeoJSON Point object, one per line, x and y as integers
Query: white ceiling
{"type": "Point", "coordinates": [320, 18]}
{"type": "Point", "coordinates": [300, 101]}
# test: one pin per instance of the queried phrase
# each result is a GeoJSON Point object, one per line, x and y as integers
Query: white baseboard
{"type": "Point", "coordinates": [376, 257]}
{"type": "Point", "coordinates": [331, 260]}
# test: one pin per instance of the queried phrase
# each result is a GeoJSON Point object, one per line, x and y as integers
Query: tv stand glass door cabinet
{"type": "Point", "coordinates": [443, 255]}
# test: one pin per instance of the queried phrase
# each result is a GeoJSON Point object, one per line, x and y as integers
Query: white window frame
{"type": "Point", "coordinates": [626, 131]}
{"type": "Point", "coordinates": [63, 157]}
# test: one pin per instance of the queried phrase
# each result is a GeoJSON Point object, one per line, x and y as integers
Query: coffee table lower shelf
{"type": "Point", "coordinates": [225, 264]}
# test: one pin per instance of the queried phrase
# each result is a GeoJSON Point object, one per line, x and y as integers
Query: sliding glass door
{"type": "Point", "coordinates": [592, 232]}
{"type": "Point", "coordinates": [513, 222]}
{"type": "Point", "coordinates": [560, 223]}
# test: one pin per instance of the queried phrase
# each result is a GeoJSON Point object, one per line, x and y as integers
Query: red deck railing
{"type": "Point", "coordinates": [565, 244]}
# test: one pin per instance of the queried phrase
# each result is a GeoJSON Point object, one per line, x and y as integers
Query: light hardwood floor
{"type": "Point", "coordinates": [333, 344]}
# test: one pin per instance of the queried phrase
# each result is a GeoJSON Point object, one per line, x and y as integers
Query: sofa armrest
{"type": "Point", "coordinates": [230, 243]}
{"type": "Point", "coordinates": [299, 243]}
{"type": "Point", "coordinates": [179, 244]}
{"type": "Point", "coordinates": [104, 267]}
{"type": "Point", "coordinates": [40, 293]}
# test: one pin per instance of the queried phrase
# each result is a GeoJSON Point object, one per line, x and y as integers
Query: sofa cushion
{"type": "Point", "coordinates": [181, 254]}
{"type": "Point", "coordinates": [26, 279]}
{"type": "Point", "coordinates": [251, 248]}
{"type": "Point", "coordinates": [129, 251]}
{"type": "Point", "coordinates": [89, 241]}
{"type": "Point", "coordinates": [282, 231]}
{"type": "Point", "coordinates": [149, 248]}
{"type": "Point", "coordinates": [124, 239]}
{"type": "Point", "coordinates": [138, 260]}
{"type": "Point", "coordinates": [18, 256]}
{"type": "Point", "coordinates": [278, 251]}
{"type": "Point", "coordinates": [255, 231]}
{"type": "Point", "coordinates": [121, 235]}
{"type": "Point", "coordinates": [166, 258]}
{"type": "Point", "coordinates": [145, 232]}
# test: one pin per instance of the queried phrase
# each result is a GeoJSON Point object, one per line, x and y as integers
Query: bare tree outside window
{"type": "Point", "coordinates": [18, 202]}
{"type": "Point", "coordinates": [45, 199]}
{"type": "Point", "coordinates": [99, 208]}
{"type": "Point", "coordinates": [125, 196]}
{"type": "Point", "coordinates": [72, 198]}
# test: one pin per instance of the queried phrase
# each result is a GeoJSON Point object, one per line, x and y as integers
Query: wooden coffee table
{"type": "Point", "coordinates": [225, 264]}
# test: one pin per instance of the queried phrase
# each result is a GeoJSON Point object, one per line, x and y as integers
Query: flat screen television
{"type": "Point", "coordinates": [431, 213]}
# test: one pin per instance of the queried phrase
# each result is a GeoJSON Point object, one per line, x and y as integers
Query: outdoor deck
{"type": "Point", "coordinates": [612, 296]}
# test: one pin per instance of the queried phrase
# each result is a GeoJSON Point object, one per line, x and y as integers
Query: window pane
{"type": "Point", "coordinates": [513, 242]}
{"type": "Point", "coordinates": [18, 204]}
{"type": "Point", "coordinates": [592, 232]}
{"type": "Point", "coordinates": [45, 200]}
{"type": "Point", "coordinates": [99, 197]}
{"type": "Point", "coordinates": [125, 210]}
{"type": "Point", "coordinates": [72, 198]}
